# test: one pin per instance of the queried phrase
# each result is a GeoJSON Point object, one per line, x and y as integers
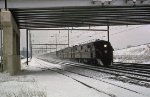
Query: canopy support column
{"type": "Point", "coordinates": [11, 43]}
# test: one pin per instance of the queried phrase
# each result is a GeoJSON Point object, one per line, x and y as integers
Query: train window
{"type": "Point", "coordinates": [81, 47]}
{"type": "Point", "coordinates": [75, 48]}
{"type": "Point", "coordinates": [88, 46]}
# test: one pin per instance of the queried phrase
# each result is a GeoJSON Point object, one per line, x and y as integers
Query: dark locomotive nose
{"type": "Point", "coordinates": [104, 53]}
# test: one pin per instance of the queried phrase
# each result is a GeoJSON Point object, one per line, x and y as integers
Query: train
{"type": "Point", "coordinates": [99, 52]}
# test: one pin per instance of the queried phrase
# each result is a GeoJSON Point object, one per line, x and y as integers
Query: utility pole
{"type": "Point", "coordinates": [68, 36]}
{"type": "Point", "coordinates": [30, 45]}
{"type": "Point", "coordinates": [43, 49]}
{"type": "Point", "coordinates": [27, 44]}
{"type": "Point", "coordinates": [50, 48]}
{"type": "Point", "coordinates": [56, 42]}
{"type": "Point", "coordinates": [51, 42]}
{"type": "Point", "coordinates": [46, 48]}
{"type": "Point", "coordinates": [5, 4]}
{"type": "Point", "coordinates": [108, 31]}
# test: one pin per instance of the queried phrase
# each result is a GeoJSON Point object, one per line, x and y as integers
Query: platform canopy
{"type": "Point", "coordinates": [78, 13]}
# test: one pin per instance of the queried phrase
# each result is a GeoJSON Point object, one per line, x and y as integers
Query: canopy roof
{"type": "Point", "coordinates": [81, 16]}
{"type": "Point", "coordinates": [78, 13]}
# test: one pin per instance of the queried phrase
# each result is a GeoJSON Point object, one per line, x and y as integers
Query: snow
{"type": "Point", "coordinates": [61, 86]}
{"type": "Point", "coordinates": [57, 84]}
{"type": "Point", "coordinates": [110, 89]}
{"type": "Point", "coordinates": [148, 62]}
{"type": "Point", "coordinates": [139, 54]}
{"type": "Point", "coordinates": [44, 79]}
{"type": "Point", "coordinates": [140, 50]}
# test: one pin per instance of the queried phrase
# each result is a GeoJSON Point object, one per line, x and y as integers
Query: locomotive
{"type": "Point", "coordinates": [99, 52]}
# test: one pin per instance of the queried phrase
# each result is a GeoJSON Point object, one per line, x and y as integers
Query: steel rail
{"type": "Point", "coordinates": [110, 71]}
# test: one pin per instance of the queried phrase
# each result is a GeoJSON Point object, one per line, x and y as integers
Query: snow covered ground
{"type": "Point", "coordinates": [43, 79]}
{"type": "Point", "coordinates": [139, 54]}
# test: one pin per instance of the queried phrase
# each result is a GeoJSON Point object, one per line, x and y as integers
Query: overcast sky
{"type": "Point", "coordinates": [120, 36]}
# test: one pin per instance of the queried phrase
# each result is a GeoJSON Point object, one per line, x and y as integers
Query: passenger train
{"type": "Point", "coordinates": [99, 52]}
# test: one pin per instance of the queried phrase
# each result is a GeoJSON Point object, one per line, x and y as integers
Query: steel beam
{"type": "Point", "coordinates": [43, 48]}
{"type": "Point", "coordinates": [49, 44]}
{"type": "Point", "coordinates": [71, 29]}
{"type": "Point", "coordinates": [79, 13]}
{"type": "Point", "coordinates": [71, 3]}
{"type": "Point", "coordinates": [5, 4]}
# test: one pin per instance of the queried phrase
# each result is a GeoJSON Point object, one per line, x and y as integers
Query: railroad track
{"type": "Point", "coordinates": [143, 69]}
{"type": "Point", "coordinates": [111, 95]}
{"type": "Point", "coordinates": [138, 70]}
{"type": "Point", "coordinates": [133, 65]}
{"type": "Point", "coordinates": [113, 71]}
{"type": "Point", "coordinates": [87, 85]}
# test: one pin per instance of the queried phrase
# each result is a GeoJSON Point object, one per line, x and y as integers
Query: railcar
{"type": "Point", "coordinates": [99, 52]}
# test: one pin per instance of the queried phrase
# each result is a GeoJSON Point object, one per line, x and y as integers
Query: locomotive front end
{"type": "Point", "coordinates": [104, 53]}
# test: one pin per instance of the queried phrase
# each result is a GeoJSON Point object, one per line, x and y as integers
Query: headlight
{"type": "Point", "coordinates": [105, 45]}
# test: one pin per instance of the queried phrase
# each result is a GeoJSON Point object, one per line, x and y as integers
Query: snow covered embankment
{"type": "Point", "coordinates": [140, 54]}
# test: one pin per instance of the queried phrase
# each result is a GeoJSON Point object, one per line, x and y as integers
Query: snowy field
{"type": "Point", "coordinates": [43, 79]}
{"type": "Point", "coordinates": [139, 54]}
